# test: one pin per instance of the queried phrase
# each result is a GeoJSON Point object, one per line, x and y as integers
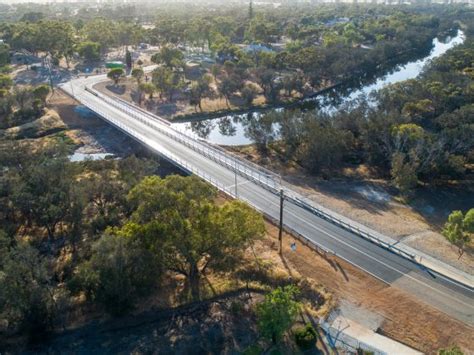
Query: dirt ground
{"type": "Point", "coordinates": [226, 323]}
{"type": "Point", "coordinates": [356, 194]}
{"type": "Point", "coordinates": [373, 202]}
{"type": "Point", "coordinates": [90, 133]}
{"type": "Point", "coordinates": [180, 106]}
{"type": "Point", "coordinates": [426, 329]}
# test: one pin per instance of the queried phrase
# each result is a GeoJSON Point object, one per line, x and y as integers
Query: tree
{"type": "Point", "coordinates": [408, 145]}
{"type": "Point", "coordinates": [90, 51]}
{"type": "Point", "coordinates": [148, 88]}
{"type": "Point", "coordinates": [128, 59]}
{"type": "Point", "coordinates": [101, 31]}
{"type": "Point", "coordinates": [169, 56]}
{"type": "Point", "coordinates": [177, 219]}
{"type": "Point", "coordinates": [118, 273]}
{"type": "Point", "coordinates": [199, 90]}
{"type": "Point", "coordinates": [45, 194]}
{"type": "Point", "coordinates": [4, 55]}
{"type": "Point", "coordinates": [59, 41]}
{"type": "Point", "coordinates": [404, 172]}
{"type": "Point", "coordinates": [5, 82]}
{"type": "Point", "coordinates": [249, 93]}
{"type": "Point", "coordinates": [138, 74]}
{"type": "Point", "coordinates": [41, 92]}
{"type": "Point", "coordinates": [292, 83]}
{"type": "Point", "coordinates": [162, 78]}
{"type": "Point", "coordinates": [32, 16]}
{"type": "Point", "coordinates": [324, 146]}
{"type": "Point", "coordinates": [228, 86]}
{"type": "Point", "coordinates": [26, 293]}
{"type": "Point", "coordinates": [277, 313]}
{"type": "Point", "coordinates": [23, 96]}
{"type": "Point", "coordinates": [115, 75]}
{"type": "Point", "coordinates": [459, 229]}
{"type": "Point", "coordinates": [215, 70]}
{"type": "Point", "coordinates": [105, 195]}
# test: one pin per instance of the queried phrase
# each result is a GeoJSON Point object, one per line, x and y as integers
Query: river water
{"type": "Point", "coordinates": [232, 129]}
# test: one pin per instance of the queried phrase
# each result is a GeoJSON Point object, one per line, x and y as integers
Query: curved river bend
{"type": "Point", "coordinates": [231, 129]}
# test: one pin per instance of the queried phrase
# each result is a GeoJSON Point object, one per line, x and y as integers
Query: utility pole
{"type": "Point", "coordinates": [48, 63]}
{"type": "Point", "coordinates": [280, 232]}
{"type": "Point", "coordinates": [235, 177]}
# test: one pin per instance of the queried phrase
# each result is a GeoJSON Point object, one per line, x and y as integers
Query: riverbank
{"type": "Point", "coordinates": [233, 129]}
{"type": "Point", "coordinates": [180, 111]}
{"type": "Point", "coordinates": [89, 134]}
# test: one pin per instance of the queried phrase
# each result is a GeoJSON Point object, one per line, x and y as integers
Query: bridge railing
{"type": "Point", "coordinates": [253, 172]}
{"type": "Point", "coordinates": [215, 153]}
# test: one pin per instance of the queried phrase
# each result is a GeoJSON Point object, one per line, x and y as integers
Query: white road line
{"type": "Point", "coordinates": [337, 239]}
{"type": "Point", "coordinates": [371, 257]}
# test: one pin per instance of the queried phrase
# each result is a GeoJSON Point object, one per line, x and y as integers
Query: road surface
{"type": "Point", "coordinates": [442, 293]}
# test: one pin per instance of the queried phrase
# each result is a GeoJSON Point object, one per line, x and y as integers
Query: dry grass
{"type": "Point", "coordinates": [417, 224]}
{"type": "Point", "coordinates": [426, 329]}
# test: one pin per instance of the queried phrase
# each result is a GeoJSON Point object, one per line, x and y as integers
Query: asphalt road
{"type": "Point", "coordinates": [443, 294]}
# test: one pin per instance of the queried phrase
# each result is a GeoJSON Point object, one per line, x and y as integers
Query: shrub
{"type": "Point", "coordinates": [306, 337]}
{"type": "Point", "coordinates": [236, 308]}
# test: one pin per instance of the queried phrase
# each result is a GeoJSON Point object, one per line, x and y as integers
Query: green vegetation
{"type": "Point", "coordinates": [454, 350]}
{"type": "Point", "coordinates": [20, 105]}
{"type": "Point", "coordinates": [108, 232]}
{"type": "Point", "coordinates": [281, 54]}
{"type": "Point", "coordinates": [459, 229]}
{"type": "Point", "coordinates": [277, 313]}
{"type": "Point", "coordinates": [88, 50]}
{"type": "Point", "coordinates": [177, 219]}
{"type": "Point", "coordinates": [305, 337]}
{"type": "Point", "coordinates": [110, 236]}
{"type": "Point", "coordinates": [416, 131]}
{"type": "Point", "coordinates": [116, 74]}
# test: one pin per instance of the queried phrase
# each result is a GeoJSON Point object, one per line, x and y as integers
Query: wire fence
{"type": "Point", "coordinates": [337, 339]}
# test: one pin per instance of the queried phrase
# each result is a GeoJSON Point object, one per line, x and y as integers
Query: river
{"type": "Point", "coordinates": [231, 129]}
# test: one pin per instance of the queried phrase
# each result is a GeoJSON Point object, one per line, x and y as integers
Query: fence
{"type": "Point", "coordinates": [265, 178]}
{"type": "Point", "coordinates": [340, 340]}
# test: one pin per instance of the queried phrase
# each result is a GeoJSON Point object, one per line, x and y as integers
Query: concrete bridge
{"type": "Point", "coordinates": [435, 283]}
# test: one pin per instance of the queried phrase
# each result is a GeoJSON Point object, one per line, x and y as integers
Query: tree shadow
{"type": "Point", "coordinates": [167, 109]}
{"type": "Point", "coordinates": [341, 269]}
{"type": "Point", "coordinates": [349, 191]}
{"type": "Point", "coordinates": [116, 89]}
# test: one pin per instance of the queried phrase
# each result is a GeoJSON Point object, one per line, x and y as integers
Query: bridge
{"type": "Point", "coordinates": [321, 228]}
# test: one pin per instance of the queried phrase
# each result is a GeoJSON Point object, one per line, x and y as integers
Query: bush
{"type": "Point", "coordinates": [236, 308]}
{"type": "Point", "coordinates": [119, 272]}
{"type": "Point", "coordinates": [253, 350]}
{"type": "Point", "coordinates": [306, 337]}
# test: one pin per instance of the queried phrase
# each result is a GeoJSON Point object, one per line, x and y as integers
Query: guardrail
{"type": "Point", "coordinates": [229, 191]}
{"type": "Point", "coordinates": [265, 178]}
